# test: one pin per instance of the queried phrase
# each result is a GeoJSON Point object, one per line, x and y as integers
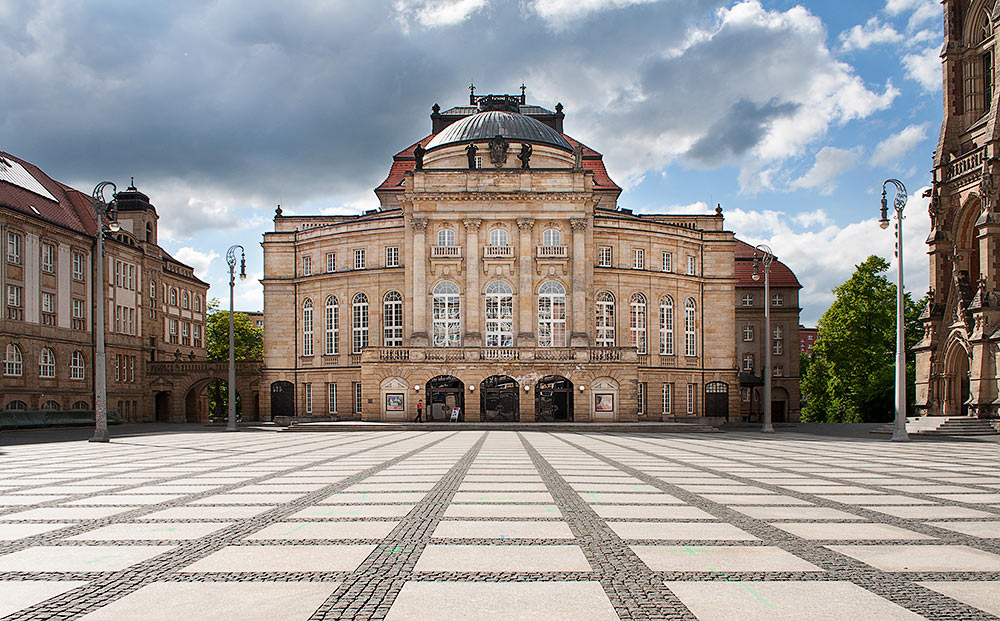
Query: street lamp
{"type": "Point", "coordinates": [898, 202]}
{"type": "Point", "coordinates": [109, 211]}
{"type": "Point", "coordinates": [766, 259]}
{"type": "Point", "coordinates": [231, 260]}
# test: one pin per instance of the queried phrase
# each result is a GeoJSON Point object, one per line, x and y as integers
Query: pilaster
{"type": "Point", "coordinates": [525, 293]}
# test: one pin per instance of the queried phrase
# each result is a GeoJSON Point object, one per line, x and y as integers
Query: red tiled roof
{"type": "Point", "coordinates": [781, 276]}
{"type": "Point", "coordinates": [72, 211]}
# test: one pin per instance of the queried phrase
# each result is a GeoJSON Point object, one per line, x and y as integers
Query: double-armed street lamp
{"type": "Point", "coordinates": [898, 202]}
{"type": "Point", "coordinates": [767, 258]}
{"type": "Point", "coordinates": [108, 211]}
{"type": "Point", "coordinates": [231, 260]}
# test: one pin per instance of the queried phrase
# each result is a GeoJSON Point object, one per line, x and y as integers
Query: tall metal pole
{"type": "Point", "coordinates": [766, 259]}
{"type": "Point", "coordinates": [898, 202]}
{"type": "Point", "coordinates": [100, 366]}
{"type": "Point", "coordinates": [231, 260]}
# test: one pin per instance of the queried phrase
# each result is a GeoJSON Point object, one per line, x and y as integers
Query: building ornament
{"type": "Point", "coordinates": [525, 224]}
{"type": "Point", "coordinates": [524, 155]}
{"type": "Point", "coordinates": [578, 224]}
{"type": "Point", "coordinates": [498, 150]}
{"type": "Point", "coordinates": [419, 224]}
{"type": "Point", "coordinates": [472, 223]}
{"type": "Point", "coordinates": [470, 152]}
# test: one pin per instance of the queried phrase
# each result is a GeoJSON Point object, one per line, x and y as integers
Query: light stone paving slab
{"type": "Point", "coordinates": [507, 529]}
{"type": "Point", "coordinates": [353, 511]}
{"type": "Point", "coordinates": [980, 594]}
{"type": "Point", "coordinates": [503, 497]}
{"type": "Point", "coordinates": [511, 601]}
{"type": "Point", "coordinates": [594, 498]}
{"type": "Point", "coordinates": [497, 511]}
{"type": "Point", "coordinates": [796, 513]}
{"type": "Point", "coordinates": [152, 531]}
{"type": "Point", "coordinates": [196, 512]}
{"type": "Point", "coordinates": [325, 530]}
{"type": "Point", "coordinates": [755, 499]}
{"type": "Point", "coordinates": [785, 601]}
{"type": "Point", "coordinates": [366, 497]}
{"type": "Point", "coordinates": [246, 499]}
{"type": "Point", "coordinates": [973, 498]}
{"type": "Point", "coordinates": [12, 532]}
{"type": "Point", "coordinates": [932, 512]}
{"type": "Point", "coordinates": [290, 488]}
{"type": "Point", "coordinates": [720, 558]}
{"type": "Point", "coordinates": [986, 530]}
{"type": "Point", "coordinates": [413, 486]}
{"type": "Point", "coordinates": [922, 558]}
{"type": "Point", "coordinates": [493, 486]}
{"type": "Point", "coordinates": [247, 601]}
{"type": "Point", "coordinates": [876, 499]}
{"type": "Point", "coordinates": [78, 558]}
{"type": "Point", "coordinates": [124, 499]}
{"type": "Point", "coordinates": [19, 594]}
{"type": "Point", "coordinates": [253, 558]}
{"type": "Point", "coordinates": [827, 489]}
{"type": "Point", "coordinates": [548, 558]}
{"type": "Point", "coordinates": [853, 531]}
{"type": "Point", "coordinates": [33, 499]}
{"type": "Point", "coordinates": [680, 531]}
{"type": "Point", "coordinates": [600, 488]}
{"type": "Point", "coordinates": [656, 512]}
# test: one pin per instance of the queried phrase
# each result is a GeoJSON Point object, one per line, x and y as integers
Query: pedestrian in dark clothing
{"type": "Point", "coordinates": [420, 412]}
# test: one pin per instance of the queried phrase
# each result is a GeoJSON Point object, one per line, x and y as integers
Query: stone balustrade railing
{"type": "Point", "coordinates": [446, 252]}
{"type": "Point", "coordinates": [551, 252]}
{"type": "Point", "coordinates": [598, 355]}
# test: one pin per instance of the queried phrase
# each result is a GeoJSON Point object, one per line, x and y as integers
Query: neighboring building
{"type": "Point", "coordinates": [256, 318]}
{"type": "Point", "coordinates": [154, 305]}
{"type": "Point", "coordinates": [752, 339]}
{"type": "Point", "coordinates": [807, 340]}
{"type": "Point", "coordinates": [501, 280]}
{"type": "Point", "coordinates": [956, 362]}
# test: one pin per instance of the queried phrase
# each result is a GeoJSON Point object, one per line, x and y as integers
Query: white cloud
{"type": "Point", "coordinates": [920, 10]}
{"type": "Point", "coordinates": [831, 162]}
{"type": "Point", "coordinates": [200, 261]}
{"type": "Point", "coordinates": [437, 13]}
{"type": "Point", "coordinates": [896, 146]}
{"type": "Point", "coordinates": [925, 68]}
{"type": "Point", "coordinates": [248, 295]}
{"type": "Point", "coordinates": [873, 32]}
{"type": "Point", "coordinates": [559, 14]}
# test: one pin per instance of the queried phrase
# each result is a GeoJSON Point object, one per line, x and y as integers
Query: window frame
{"type": "Point", "coordinates": [307, 327]}
{"type": "Point", "coordinates": [446, 315]}
{"type": "Point", "coordinates": [604, 324]}
{"type": "Point", "coordinates": [498, 314]}
{"type": "Point", "coordinates": [638, 317]}
{"type": "Point", "coordinates": [331, 326]}
{"type": "Point", "coordinates": [392, 308]}
{"type": "Point", "coordinates": [360, 320]}
{"type": "Point", "coordinates": [551, 303]}
{"type": "Point", "coordinates": [667, 326]}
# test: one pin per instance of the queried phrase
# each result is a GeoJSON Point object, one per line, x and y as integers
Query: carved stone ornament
{"type": "Point", "coordinates": [578, 224]}
{"type": "Point", "coordinates": [419, 224]}
{"type": "Point", "coordinates": [987, 189]}
{"type": "Point", "coordinates": [525, 224]}
{"type": "Point", "coordinates": [578, 157]}
{"type": "Point", "coordinates": [472, 223]}
{"type": "Point", "coordinates": [498, 150]}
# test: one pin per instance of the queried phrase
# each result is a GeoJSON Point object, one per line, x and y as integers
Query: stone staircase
{"type": "Point", "coordinates": [944, 426]}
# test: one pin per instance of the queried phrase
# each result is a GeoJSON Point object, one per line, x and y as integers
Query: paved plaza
{"type": "Point", "coordinates": [203, 524]}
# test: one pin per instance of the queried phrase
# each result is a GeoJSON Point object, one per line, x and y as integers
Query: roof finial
{"type": "Point", "coordinates": [277, 211]}
{"type": "Point", "coordinates": [523, 101]}
{"type": "Point", "coordinates": [131, 184]}
{"type": "Point", "coordinates": [718, 209]}
{"type": "Point", "coordinates": [472, 94]}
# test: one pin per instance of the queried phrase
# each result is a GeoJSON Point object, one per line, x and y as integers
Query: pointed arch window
{"type": "Point", "coordinates": [392, 320]}
{"type": "Point", "coordinates": [637, 322]}
{"type": "Point", "coordinates": [667, 326]}
{"type": "Point", "coordinates": [447, 316]}
{"type": "Point", "coordinates": [359, 323]}
{"type": "Point", "coordinates": [499, 314]}
{"type": "Point", "coordinates": [331, 326]}
{"type": "Point", "coordinates": [605, 323]}
{"type": "Point", "coordinates": [307, 327]}
{"type": "Point", "coordinates": [690, 344]}
{"type": "Point", "coordinates": [552, 315]}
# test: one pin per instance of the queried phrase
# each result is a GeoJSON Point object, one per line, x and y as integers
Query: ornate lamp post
{"type": "Point", "coordinates": [231, 260]}
{"type": "Point", "coordinates": [766, 259]}
{"type": "Point", "coordinates": [898, 202]}
{"type": "Point", "coordinates": [103, 210]}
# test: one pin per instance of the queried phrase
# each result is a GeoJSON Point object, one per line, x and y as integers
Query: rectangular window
{"type": "Point", "coordinates": [748, 333]}
{"type": "Point", "coordinates": [777, 300]}
{"type": "Point", "coordinates": [357, 397]}
{"type": "Point", "coordinates": [131, 277]}
{"type": "Point", "coordinates": [79, 318]}
{"type": "Point", "coordinates": [131, 369]}
{"type": "Point", "coordinates": [48, 258]}
{"type": "Point", "coordinates": [746, 395]}
{"type": "Point", "coordinates": [668, 262]}
{"type": "Point", "coordinates": [987, 66]}
{"type": "Point", "coordinates": [690, 266]}
{"type": "Point", "coordinates": [779, 347]}
{"type": "Point", "coordinates": [131, 321]}
{"type": "Point", "coordinates": [77, 266]}
{"type": "Point", "coordinates": [48, 302]}
{"type": "Point", "coordinates": [779, 370]}
{"type": "Point", "coordinates": [690, 398]}
{"type": "Point", "coordinates": [172, 327]}
{"type": "Point", "coordinates": [604, 256]}
{"type": "Point", "coordinates": [307, 266]}
{"type": "Point", "coordinates": [308, 392]}
{"type": "Point", "coordinates": [197, 335]}
{"type": "Point", "coordinates": [185, 333]}
{"type": "Point", "coordinates": [747, 299]}
{"type": "Point", "coordinates": [359, 259]}
{"type": "Point", "coordinates": [638, 258]}
{"type": "Point", "coordinates": [479, 161]}
{"type": "Point", "coordinates": [331, 397]}
{"type": "Point", "coordinates": [668, 398]}
{"type": "Point", "coordinates": [14, 296]}
{"type": "Point", "coordinates": [748, 363]}
{"type": "Point", "coordinates": [392, 256]}
{"type": "Point", "coordinates": [331, 262]}
{"type": "Point", "coordinates": [641, 398]}
{"type": "Point", "coordinates": [118, 368]}
{"type": "Point", "coordinates": [13, 248]}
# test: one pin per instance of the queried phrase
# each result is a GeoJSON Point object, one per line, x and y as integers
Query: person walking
{"type": "Point", "coordinates": [420, 412]}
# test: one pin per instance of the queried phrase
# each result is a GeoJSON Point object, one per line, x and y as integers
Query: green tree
{"type": "Point", "coordinates": [851, 378]}
{"type": "Point", "coordinates": [248, 341]}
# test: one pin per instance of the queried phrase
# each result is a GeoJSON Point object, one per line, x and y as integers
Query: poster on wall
{"type": "Point", "coordinates": [394, 402]}
{"type": "Point", "coordinates": [604, 402]}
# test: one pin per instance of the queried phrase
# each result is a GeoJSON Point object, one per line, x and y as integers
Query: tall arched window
{"type": "Point", "coordinates": [307, 327]}
{"type": "Point", "coordinates": [690, 344]}
{"type": "Point", "coordinates": [667, 326]}
{"type": "Point", "coordinates": [46, 363]}
{"type": "Point", "coordinates": [392, 320]}
{"type": "Point", "coordinates": [446, 237]}
{"type": "Point", "coordinates": [13, 362]}
{"type": "Point", "coordinates": [359, 323]}
{"type": "Point", "coordinates": [605, 319]}
{"type": "Point", "coordinates": [551, 237]}
{"type": "Point", "coordinates": [637, 322]}
{"type": "Point", "coordinates": [447, 316]}
{"type": "Point", "coordinates": [498, 237]}
{"type": "Point", "coordinates": [552, 315]}
{"type": "Point", "coordinates": [331, 326]}
{"type": "Point", "coordinates": [499, 313]}
{"type": "Point", "coordinates": [51, 405]}
{"type": "Point", "coordinates": [76, 370]}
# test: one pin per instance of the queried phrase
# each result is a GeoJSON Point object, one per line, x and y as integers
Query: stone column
{"type": "Point", "coordinates": [525, 292]}
{"type": "Point", "coordinates": [578, 313]}
{"type": "Point", "coordinates": [419, 293]}
{"type": "Point", "coordinates": [473, 322]}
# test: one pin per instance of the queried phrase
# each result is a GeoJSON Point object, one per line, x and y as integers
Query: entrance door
{"type": "Point", "coordinates": [162, 407]}
{"type": "Point", "coordinates": [554, 399]}
{"type": "Point", "coordinates": [777, 411]}
{"type": "Point", "coordinates": [498, 399]}
{"type": "Point", "coordinates": [282, 399]}
{"type": "Point", "coordinates": [444, 394]}
{"type": "Point", "coordinates": [717, 399]}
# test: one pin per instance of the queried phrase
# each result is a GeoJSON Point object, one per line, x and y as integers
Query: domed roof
{"type": "Point", "coordinates": [484, 126]}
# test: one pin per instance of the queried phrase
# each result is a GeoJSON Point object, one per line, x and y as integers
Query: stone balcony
{"type": "Point", "coordinates": [498, 252]}
{"type": "Point", "coordinates": [446, 252]}
{"type": "Point", "coordinates": [598, 355]}
{"type": "Point", "coordinates": [551, 252]}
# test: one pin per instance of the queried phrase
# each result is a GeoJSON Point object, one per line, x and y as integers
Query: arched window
{"type": "Point", "coordinates": [13, 362]}
{"type": "Point", "coordinates": [637, 322]}
{"type": "Point", "coordinates": [76, 365]}
{"type": "Point", "coordinates": [447, 316]}
{"type": "Point", "coordinates": [446, 237]}
{"type": "Point", "coordinates": [499, 312]}
{"type": "Point", "coordinates": [197, 303]}
{"type": "Point", "coordinates": [81, 405]}
{"type": "Point", "coordinates": [359, 323]}
{"type": "Point", "coordinates": [46, 363]}
{"type": "Point", "coordinates": [307, 327]}
{"type": "Point", "coordinates": [552, 315]}
{"type": "Point", "coordinates": [605, 319]}
{"type": "Point", "coordinates": [149, 232]}
{"type": "Point", "coordinates": [173, 296]}
{"type": "Point", "coordinates": [186, 300]}
{"type": "Point", "coordinates": [498, 237]}
{"type": "Point", "coordinates": [667, 326]}
{"type": "Point", "coordinates": [551, 237]}
{"type": "Point", "coordinates": [51, 405]}
{"type": "Point", "coordinates": [332, 326]}
{"type": "Point", "coordinates": [392, 320]}
{"type": "Point", "coordinates": [690, 345]}
{"type": "Point", "coordinates": [16, 405]}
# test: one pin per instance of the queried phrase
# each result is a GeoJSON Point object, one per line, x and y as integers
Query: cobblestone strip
{"type": "Point", "coordinates": [371, 589]}
{"type": "Point", "coordinates": [114, 585]}
{"type": "Point", "coordinates": [635, 591]}
{"type": "Point", "coordinates": [896, 587]}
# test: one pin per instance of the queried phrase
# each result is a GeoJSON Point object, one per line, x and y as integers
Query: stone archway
{"type": "Point", "coordinates": [499, 399]}
{"type": "Point", "coordinates": [196, 401]}
{"type": "Point", "coordinates": [554, 399]}
{"type": "Point", "coordinates": [444, 394]}
{"type": "Point", "coordinates": [957, 384]}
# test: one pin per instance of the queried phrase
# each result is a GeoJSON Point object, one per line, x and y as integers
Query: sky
{"type": "Point", "coordinates": [788, 114]}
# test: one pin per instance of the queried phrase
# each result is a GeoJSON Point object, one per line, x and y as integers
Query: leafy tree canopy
{"type": "Point", "coordinates": [248, 338]}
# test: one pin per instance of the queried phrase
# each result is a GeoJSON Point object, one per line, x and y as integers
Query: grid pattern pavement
{"type": "Point", "coordinates": [499, 524]}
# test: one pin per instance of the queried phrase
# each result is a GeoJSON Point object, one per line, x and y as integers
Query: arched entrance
{"type": "Point", "coordinates": [957, 388]}
{"type": "Point", "coordinates": [207, 401]}
{"type": "Point", "coordinates": [444, 394]}
{"type": "Point", "coordinates": [554, 399]}
{"type": "Point", "coordinates": [717, 399]}
{"type": "Point", "coordinates": [282, 399]}
{"type": "Point", "coordinates": [499, 398]}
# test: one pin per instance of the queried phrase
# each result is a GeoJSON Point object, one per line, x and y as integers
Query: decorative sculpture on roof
{"type": "Point", "coordinates": [987, 189]}
{"type": "Point", "coordinates": [418, 155]}
{"type": "Point", "coordinates": [498, 150]}
{"type": "Point", "coordinates": [578, 157]}
{"type": "Point", "coordinates": [277, 211]}
{"type": "Point", "coordinates": [471, 151]}
{"type": "Point", "coordinates": [524, 155]}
